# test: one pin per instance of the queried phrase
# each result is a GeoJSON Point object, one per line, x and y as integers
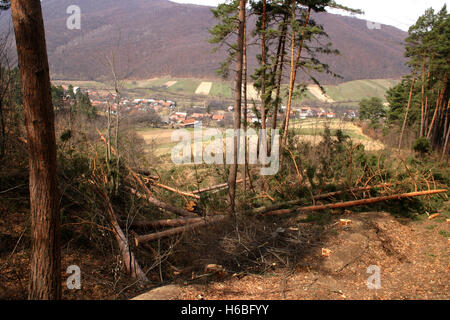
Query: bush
{"type": "Point", "coordinates": [422, 146]}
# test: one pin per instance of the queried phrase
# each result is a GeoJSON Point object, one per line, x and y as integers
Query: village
{"type": "Point", "coordinates": [169, 113]}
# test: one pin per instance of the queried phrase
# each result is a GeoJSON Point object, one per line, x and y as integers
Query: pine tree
{"type": "Point", "coordinates": [45, 280]}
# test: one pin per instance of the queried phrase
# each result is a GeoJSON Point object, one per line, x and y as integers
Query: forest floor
{"type": "Point", "coordinates": [413, 256]}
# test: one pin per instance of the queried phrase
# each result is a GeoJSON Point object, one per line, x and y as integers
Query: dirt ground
{"type": "Point", "coordinates": [413, 257]}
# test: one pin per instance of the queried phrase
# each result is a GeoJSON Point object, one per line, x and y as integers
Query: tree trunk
{"type": "Point", "coordinates": [439, 101]}
{"type": "Point", "coordinates": [444, 149]}
{"type": "Point", "coordinates": [171, 232]}
{"type": "Point", "coordinates": [406, 116]}
{"type": "Point", "coordinates": [422, 109]}
{"type": "Point", "coordinates": [356, 203]}
{"type": "Point", "coordinates": [45, 281]}
{"type": "Point", "coordinates": [263, 81]}
{"type": "Point", "coordinates": [2, 132]}
{"type": "Point", "coordinates": [279, 75]}
{"type": "Point", "coordinates": [129, 260]}
{"type": "Point", "coordinates": [244, 79]}
{"type": "Point", "coordinates": [294, 67]}
{"type": "Point", "coordinates": [237, 106]}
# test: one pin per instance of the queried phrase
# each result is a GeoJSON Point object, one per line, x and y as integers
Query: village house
{"type": "Point", "coordinates": [305, 112]}
{"type": "Point", "coordinates": [188, 123]}
{"type": "Point", "coordinates": [218, 117]}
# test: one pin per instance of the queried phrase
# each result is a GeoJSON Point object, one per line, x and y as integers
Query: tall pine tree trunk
{"type": "Point", "coordinates": [2, 132]}
{"type": "Point", "coordinates": [406, 115]}
{"type": "Point", "coordinates": [237, 106]}
{"type": "Point", "coordinates": [422, 109]}
{"type": "Point", "coordinates": [45, 281]}
{"type": "Point", "coordinates": [263, 62]}
{"type": "Point", "coordinates": [244, 92]}
{"type": "Point", "coordinates": [279, 75]}
{"type": "Point", "coordinates": [294, 67]}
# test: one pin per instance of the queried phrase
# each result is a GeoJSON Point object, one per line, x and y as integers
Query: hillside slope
{"type": "Point", "coordinates": [156, 38]}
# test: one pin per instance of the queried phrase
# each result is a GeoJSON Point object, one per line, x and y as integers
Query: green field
{"type": "Point", "coordinates": [360, 89]}
{"type": "Point", "coordinates": [183, 90]}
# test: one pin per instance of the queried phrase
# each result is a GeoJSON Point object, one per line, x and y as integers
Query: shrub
{"type": "Point", "coordinates": [422, 146]}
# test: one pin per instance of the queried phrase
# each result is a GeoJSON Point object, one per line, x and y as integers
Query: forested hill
{"type": "Point", "coordinates": [158, 37]}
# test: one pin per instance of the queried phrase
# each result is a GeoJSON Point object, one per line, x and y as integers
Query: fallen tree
{"type": "Point", "coordinates": [165, 223]}
{"type": "Point", "coordinates": [128, 257]}
{"type": "Point", "coordinates": [216, 187]}
{"type": "Point", "coordinates": [160, 204]}
{"type": "Point", "coordinates": [168, 233]}
{"type": "Point", "coordinates": [356, 202]}
{"type": "Point", "coordinates": [317, 197]}
{"type": "Point", "coordinates": [187, 194]}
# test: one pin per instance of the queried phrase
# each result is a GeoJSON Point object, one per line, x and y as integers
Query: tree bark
{"type": "Point", "coordinates": [162, 205]}
{"type": "Point", "coordinates": [2, 132]}
{"type": "Point", "coordinates": [129, 260]}
{"type": "Point", "coordinates": [279, 75]}
{"type": "Point", "coordinates": [45, 280]}
{"type": "Point", "coordinates": [244, 79]}
{"type": "Point", "coordinates": [357, 202]}
{"type": "Point", "coordinates": [406, 115]}
{"type": "Point", "coordinates": [237, 107]}
{"type": "Point", "coordinates": [422, 110]}
{"type": "Point", "coordinates": [175, 231]}
{"type": "Point", "coordinates": [317, 197]}
{"type": "Point", "coordinates": [263, 63]}
{"type": "Point", "coordinates": [294, 67]}
{"type": "Point", "coordinates": [444, 150]}
{"type": "Point", "coordinates": [166, 223]}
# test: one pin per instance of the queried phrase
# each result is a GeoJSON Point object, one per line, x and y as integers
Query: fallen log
{"type": "Point", "coordinates": [175, 231]}
{"type": "Point", "coordinates": [156, 184]}
{"type": "Point", "coordinates": [165, 223]}
{"type": "Point", "coordinates": [357, 202]}
{"type": "Point", "coordinates": [216, 187]}
{"type": "Point", "coordinates": [146, 173]}
{"type": "Point", "coordinates": [160, 204]}
{"type": "Point", "coordinates": [317, 197]}
{"type": "Point", "coordinates": [128, 257]}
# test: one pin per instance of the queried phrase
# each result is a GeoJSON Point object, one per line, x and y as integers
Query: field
{"type": "Point", "coordinates": [160, 140]}
{"type": "Point", "coordinates": [311, 131]}
{"type": "Point", "coordinates": [186, 91]}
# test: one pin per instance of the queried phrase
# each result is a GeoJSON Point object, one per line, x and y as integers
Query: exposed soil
{"type": "Point", "coordinates": [413, 257]}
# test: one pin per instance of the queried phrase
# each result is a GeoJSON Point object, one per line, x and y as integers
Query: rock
{"type": "Point", "coordinates": [170, 292]}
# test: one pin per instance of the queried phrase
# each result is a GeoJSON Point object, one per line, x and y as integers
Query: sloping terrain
{"type": "Point", "coordinates": [161, 38]}
{"type": "Point", "coordinates": [412, 258]}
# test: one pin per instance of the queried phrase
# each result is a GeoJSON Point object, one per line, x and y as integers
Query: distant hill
{"type": "Point", "coordinates": [160, 38]}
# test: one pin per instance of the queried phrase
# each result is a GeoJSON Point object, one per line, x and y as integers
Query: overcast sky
{"type": "Point", "coordinates": [399, 13]}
